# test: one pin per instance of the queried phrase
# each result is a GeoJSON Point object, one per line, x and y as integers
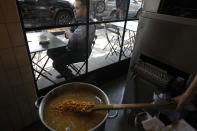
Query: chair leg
{"type": "Point", "coordinates": [42, 69]}
{"type": "Point", "coordinates": [108, 43]}
{"type": "Point", "coordinates": [77, 68]}
{"type": "Point", "coordinates": [73, 67]}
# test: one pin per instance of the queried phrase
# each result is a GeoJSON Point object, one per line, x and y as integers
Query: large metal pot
{"type": "Point", "coordinates": [72, 86]}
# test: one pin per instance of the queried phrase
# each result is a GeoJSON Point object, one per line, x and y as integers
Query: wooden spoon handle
{"type": "Point", "coordinates": [136, 106]}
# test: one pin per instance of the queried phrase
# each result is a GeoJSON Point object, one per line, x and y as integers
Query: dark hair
{"type": "Point", "coordinates": [83, 2]}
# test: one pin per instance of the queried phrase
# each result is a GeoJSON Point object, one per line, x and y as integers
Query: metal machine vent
{"type": "Point", "coordinates": [153, 74]}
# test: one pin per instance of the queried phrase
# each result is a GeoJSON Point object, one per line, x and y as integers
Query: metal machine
{"type": "Point", "coordinates": [164, 57]}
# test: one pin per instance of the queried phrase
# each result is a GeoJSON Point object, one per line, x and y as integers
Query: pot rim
{"type": "Point", "coordinates": [48, 94]}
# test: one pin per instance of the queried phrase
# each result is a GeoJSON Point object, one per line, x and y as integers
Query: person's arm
{"type": "Point", "coordinates": [77, 37]}
{"type": "Point", "coordinates": [68, 33]}
{"type": "Point", "coordinates": [188, 95]}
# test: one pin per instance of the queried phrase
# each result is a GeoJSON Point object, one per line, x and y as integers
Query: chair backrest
{"type": "Point", "coordinates": [78, 68]}
{"type": "Point", "coordinates": [112, 28]}
{"type": "Point", "coordinates": [109, 28]}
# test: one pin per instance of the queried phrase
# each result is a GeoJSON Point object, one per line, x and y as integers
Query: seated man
{"type": "Point", "coordinates": [76, 50]}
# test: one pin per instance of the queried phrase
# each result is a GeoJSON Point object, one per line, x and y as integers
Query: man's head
{"type": "Point", "coordinates": [80, 9]}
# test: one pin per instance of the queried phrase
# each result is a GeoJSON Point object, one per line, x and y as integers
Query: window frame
{"type": "Point", "coordinates": [69, 25]}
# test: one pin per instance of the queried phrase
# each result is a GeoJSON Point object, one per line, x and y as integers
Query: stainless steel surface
{"type": "Point", "coordinates": [73, 86]}
{"type": "Point", "coordinates": [34, 40]}
{"type": "Point", "coordinates": [169, 18]}
{"type": "Point", "coordinates": [168, 41]}
{"type": "Point", "coordinates": [38, 101]}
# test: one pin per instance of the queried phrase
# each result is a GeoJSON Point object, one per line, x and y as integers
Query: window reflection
{"type": "Point", "coordinates": [42, 13]}
{"type": "Point", "coordinates": [64, 54]}
{"type": "Point", "coordinates": [135, 9]}
{"type": "Point", "coordinates": [106, 49]}
{"type": "Point", "coordinates": [107, 10]}
{"type": "Point", "coordinates": [129, 38]}
{"type": "Point", "coordinates": [38, 13]}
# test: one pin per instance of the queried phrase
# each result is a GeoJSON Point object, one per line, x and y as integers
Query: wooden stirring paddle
{"type": "Point", "coordinates": [130, 106]}
{"type": "Point", "coordinates": [83, 106]}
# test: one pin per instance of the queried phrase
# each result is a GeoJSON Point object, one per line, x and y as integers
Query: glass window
{"type": "Point", "coordinates": [107, 45]}
{"type": "Point", "coordinates": [56, 33]}
{"type": "Point", "coordinates": [109, 10]}
{"type": "Point", "coordinates": [129, 38]}
{"type": "Point", "coordinates": [135, 9]}
{"type": "Point", "coordinates": [42, 13]}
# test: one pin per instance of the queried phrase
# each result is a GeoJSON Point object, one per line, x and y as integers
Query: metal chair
{"type": "Point", "coordinates": [129, 43]}
{"type": "Point", "coordinates": [39, 65]}
{"type": "Point", "coordinates": [78, 67]}
{"type": "Point", "coordinates": [114, 42]}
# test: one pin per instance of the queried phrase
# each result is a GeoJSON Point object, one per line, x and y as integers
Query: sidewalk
{"type": "Point", "coordinates": [96, 60]}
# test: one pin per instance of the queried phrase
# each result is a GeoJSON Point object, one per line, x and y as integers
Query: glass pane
{"type": "Point", "coordinates": [134, 9]}
{"type": "Point", "coordinates": [55, 58]}
{"type": "Point", "coordinates": [106, 49]}
{"type": "Point", "coordinates": [129, 39]}
{"type": "Point", "coordinates": [104, 44]}
{"type": "Point", "coordinates": [42, 13]}
{"type": "Point", "coordinates": [107, 10]}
